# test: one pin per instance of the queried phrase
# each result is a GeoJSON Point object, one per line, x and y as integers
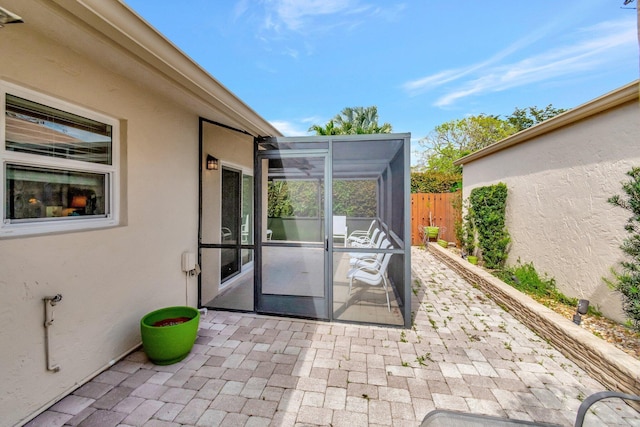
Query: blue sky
{"type": "Point", "coordinates": [421, 62]}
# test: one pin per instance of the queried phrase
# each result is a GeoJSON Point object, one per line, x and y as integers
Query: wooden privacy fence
{"type": "Point", "coordinates": [437, 206]}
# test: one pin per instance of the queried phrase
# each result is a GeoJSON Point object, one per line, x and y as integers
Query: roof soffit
{"type": "Point", "coordinates": [137, 51]}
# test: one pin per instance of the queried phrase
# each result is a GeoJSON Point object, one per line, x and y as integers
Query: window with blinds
{"type": "Point", "coordinates": [44, 131]}
{"type": "Point", "coordinates": [59, 165]}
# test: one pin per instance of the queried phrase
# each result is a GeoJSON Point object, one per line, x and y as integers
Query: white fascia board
{"type": "Point", "coordinates": [121, 25]}
{"type": "Point", "coordinates": [622, 95]}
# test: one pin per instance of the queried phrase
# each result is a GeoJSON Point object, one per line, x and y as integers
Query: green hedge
{"type": "Point", "coordinates": [487, 216]}
{"type": "Point", "coordinates": [353, 198]}
{"type": "Point", "coordinates": [356, 198]}
{"type": "Point", "coordinates": [435, 182]}
{"type": "Point", "coordinates": [293, 199]}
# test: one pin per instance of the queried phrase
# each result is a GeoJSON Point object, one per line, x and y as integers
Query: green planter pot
{"type": "Point", "coordinates": [443, 243]}
{"type": "Point", "coordinates": [472, 259]}
{"type": "Point", "coordinates": [165, 345]}
{"type": "Point", "coordinates": [431, 232]}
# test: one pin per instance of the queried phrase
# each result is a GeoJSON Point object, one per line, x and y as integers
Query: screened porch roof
{"type": "Point", "coordinates": [362, 158]}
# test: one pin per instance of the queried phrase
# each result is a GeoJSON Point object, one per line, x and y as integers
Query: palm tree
{"type": "Point", "coordinates": [353, 120]}
{"type": "Point", "coordinates": [328, 129]}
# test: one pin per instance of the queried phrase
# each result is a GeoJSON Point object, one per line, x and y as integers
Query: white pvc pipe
{"type": "Point", "coordinates": [49, 303]}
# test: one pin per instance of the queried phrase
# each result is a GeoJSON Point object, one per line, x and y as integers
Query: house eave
{"type": "Point", "coordinates": [119, 27]}
{"type": "Point", "coordinates": [622, 95]}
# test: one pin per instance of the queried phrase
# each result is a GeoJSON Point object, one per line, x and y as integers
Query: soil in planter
{"type": "Point", "coordinates": [172, 321]}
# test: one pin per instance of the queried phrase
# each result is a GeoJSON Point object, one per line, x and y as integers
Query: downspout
{"type": "Point", "coordinates": [49, 303]}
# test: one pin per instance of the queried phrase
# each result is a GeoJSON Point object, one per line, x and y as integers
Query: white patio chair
{"type": "Point", "coordinates": [340, 228]}
{"type": "Point", "coordinates": [361, 255]}
{"type": "Point", "coordinates": [244, 231]}
{"type": "Point", "coordinates": [361, 236]}
{"type": "Point", "coordinates": [370, 261]}
{"type": "Point", "coordinates": [373, 275]}
{"type": "Point", "coordinates": [448, 417]}
{"type": "Point", "coordinates": [225, 233]}
{"type": "Point", "coordinates": [366, 242]}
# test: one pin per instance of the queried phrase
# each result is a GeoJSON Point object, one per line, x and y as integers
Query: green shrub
{"type": "Point", "coordinates": [302, 199]}
{"type": "Point", "coordinates": [293, 198]}
{"type": "Point", "coordinates": [525, 278]}
{"type": "Point", "coordinates": [628, 280]}
{"type": "Point", "coordinates": [487, 218]}
{"type": "Point", "coordinates": [435, 182]}
{"type": "Point", "coordinates": [355, 198]}
{"type": "Point", "coordinates": [468, 231]}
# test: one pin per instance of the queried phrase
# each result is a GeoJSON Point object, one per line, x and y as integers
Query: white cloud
{"type": "Point", "coordinates": [297, 127]}
{"type": "Point", "coordinates": [240, 8]}
{"type": "Point", "coordinates": [594, 46]}
{"type": "Point", "coordinates": [289, 128]}
{"type": "Point", "coordinates": [292, 28]}
{"type": "Point", "coordinates": [293, 13]}
{"type": "Point", "coordinates": [415, 87]}
{"type": "Point", "coordinates": [313, 16]}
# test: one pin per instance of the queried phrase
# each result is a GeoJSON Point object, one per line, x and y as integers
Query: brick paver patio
{"type": "Point", "coordinates": [463, 353]}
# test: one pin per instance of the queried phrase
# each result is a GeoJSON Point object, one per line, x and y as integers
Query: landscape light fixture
{"type": "Point", "coordinates": [582, 308]}
{"type": "Point", "coordinates": [212, 163]}
{"type": "Point", "coordinates": [7, 17]}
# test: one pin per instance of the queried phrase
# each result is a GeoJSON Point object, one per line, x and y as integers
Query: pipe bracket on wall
{"type": "Point", "coordinates": [49, 304]}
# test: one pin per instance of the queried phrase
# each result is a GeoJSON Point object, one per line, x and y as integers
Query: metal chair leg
{"type": "Point", "coordinates": [590, 400]}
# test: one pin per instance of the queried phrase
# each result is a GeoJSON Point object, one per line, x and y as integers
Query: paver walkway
{"type": "Point", "coordinates": [463, 353]}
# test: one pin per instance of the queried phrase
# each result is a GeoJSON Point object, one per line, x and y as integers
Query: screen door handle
{"type": "Point", "coordinates": [326, 243]}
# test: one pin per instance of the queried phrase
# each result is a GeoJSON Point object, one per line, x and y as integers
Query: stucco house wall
{"type": "Point", "coordinates": [99, 55]}
{"type": "Point", "coordinates": [559, 175]}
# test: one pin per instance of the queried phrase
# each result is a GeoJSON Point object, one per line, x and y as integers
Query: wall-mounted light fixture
{"type": "Point", "coordinates": [7, 17]}
{"type": "Point", "coordinates": [212, 163]}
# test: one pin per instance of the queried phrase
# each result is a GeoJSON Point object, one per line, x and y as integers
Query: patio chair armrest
{"type": "Point", "coordinates": [364, 240]}
{"type": "Point", "coordinates": [375, 268]}
{"type": "Point", "coordinates": [368, 259]}
{"type": "Point", "coordinates": [590, 400]}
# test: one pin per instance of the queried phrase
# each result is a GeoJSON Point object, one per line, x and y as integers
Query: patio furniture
{"type": "Point", "coordinates": [447, 418]}
{"type": "Point", "coordinates": [366, 242]}
{"type": "Point", "coordinates": [225, 233]}
{"type": "Point", "coordinates": [440, 417]}
{"type": "Point", "coordinates": [595, 397]}
{"type": "Point", "coordinates": [244, 231]}
{"type": "Point", "coordinates": [370, 261]}
{"type": "Point", "coordinates": [340, 228]}
{"type": "Point", "coordinates": [372, 275]}
{"type": "Point", "coordinates": [360, 236]}
{"type": "Point", "coordinates": [374, 245]}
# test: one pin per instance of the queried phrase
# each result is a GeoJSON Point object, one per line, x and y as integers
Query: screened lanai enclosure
{"type": "Point", "coordinates": [323, 233]}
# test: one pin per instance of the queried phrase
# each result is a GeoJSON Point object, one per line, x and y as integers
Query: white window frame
{"type": "Point", "coordinates": [9, 228]}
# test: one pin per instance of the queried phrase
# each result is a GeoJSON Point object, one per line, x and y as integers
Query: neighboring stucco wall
{"type": "Point", "coordinates": [557, 210]}
{"type": "Point", "coordinates": [111, 277]}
